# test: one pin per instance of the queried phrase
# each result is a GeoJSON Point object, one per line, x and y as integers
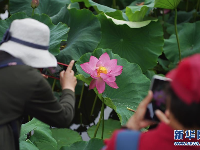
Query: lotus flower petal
{"type": "Point", "coordinates": [104, 58]}
{"type": "Point", "coordinates": [92, 84]}
{"type": "Point", "coordinates": [100, 84]}
{"type": "Point", "coordinates": [117, 71]}
{"type": "Point", "coordinates": [93, 61]}
{"type": "Point", "coordinates": [111, 64]}
{"type": "Point", "coordinates": [99, 63]}
{"type": "Point", "coordinates": [113, 85]}
{"type": "Point", "coordinates": [86, 67]}
{"type": "Point", "coordinates": [107, 78]}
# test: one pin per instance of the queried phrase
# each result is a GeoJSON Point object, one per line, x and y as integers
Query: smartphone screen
{"type": "Point", "coordinates": [159, 97]}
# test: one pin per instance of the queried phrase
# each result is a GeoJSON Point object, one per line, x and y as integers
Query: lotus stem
{"type": "Point", "coordinates": [79, 104]}
{"type": "Point", "coordinates": [95, 100]}
{"type": "Point", "coordinates": [81, 120]}
{"type": "Point", "coordinates": [114, 4]}
{"type": "Point", "coordinates": [33, 12]}
{"type": "Point", "coordinates": [102, 120]}
{"type": "Point", "coordinates": [187, 5]}
{"type": "Point", "coordinates": [175, 23]}
{"type": "Point", "coordinates": [198, 2]}
{"type": "Point", "coordinates": [54, 83]}
{"type": "Point", "coordinates": [98, 124]}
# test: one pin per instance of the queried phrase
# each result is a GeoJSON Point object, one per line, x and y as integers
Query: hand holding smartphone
{"type": "Point", "coordinates": [159, 97]}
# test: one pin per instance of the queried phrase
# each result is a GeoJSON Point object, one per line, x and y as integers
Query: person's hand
{"type": "Point", "coordinates": [46, 77]}
{"type": "Point", "coordinates": [162, 117]}
{"type": "Point", "coordinates": [137, 121]}
{"type": "Point", "coordinates": [67, 78]}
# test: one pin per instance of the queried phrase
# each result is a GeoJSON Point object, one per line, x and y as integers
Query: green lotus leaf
{"type": "Point", "coordinates": [97, 7]}
{"type": "Point", "coordinates": [42, 136]}
{"type": "Point", "coordinates": [129, 23]}
{"type": "Point", "coordinates": [58, 32]}
{"type": "Point", "coordinates": [84, 34]}
{"type": "Point", "coordinates": [148, 3]}
{"type": "Point", "coordinates": [109, 126]}
{"type": "Point", "coordinates": [27, 145]}
{"type": "Point", "coordinates": [141, 45]}
{"type": "Point", "coordinates": [93, 144]}
{"type": "Point", "coordinates": [166, 4]}
{"type": "Point", "coordinates": [65, 137]}
{"type": "Point", "coordinates": [133, 85]}
{"type": "Point", "coordinates": [136, 13]}
{"type": "Point", "coordinates": [189, 42]}
{"type": "Point", "coordinates": [49, 7]}
{"type": "Point", "coordinates": [118, 14]}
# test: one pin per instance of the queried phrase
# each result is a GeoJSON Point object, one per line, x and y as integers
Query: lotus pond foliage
{"type": "Point", "coordinates": [118, 45]}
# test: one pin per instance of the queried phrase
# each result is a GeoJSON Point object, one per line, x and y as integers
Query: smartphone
{"type": "Point", "coordinates": [54, 72]}
{"type": "Point", "coordinates": [158, 85]}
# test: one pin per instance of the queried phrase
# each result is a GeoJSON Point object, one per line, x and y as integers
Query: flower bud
{"type": "Point", "coordinates": [34, 4]}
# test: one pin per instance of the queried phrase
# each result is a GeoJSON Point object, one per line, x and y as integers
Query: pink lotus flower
{"type": "Point", "coordinates": [102, 70]}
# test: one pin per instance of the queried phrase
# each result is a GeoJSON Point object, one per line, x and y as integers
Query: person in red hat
{"type": "Point", "coordinates": [180, 124]}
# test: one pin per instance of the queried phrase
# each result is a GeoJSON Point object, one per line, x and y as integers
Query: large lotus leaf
{"type": "Point", "coordinates": [42, 136]}
{"type": "Point", "coordinates": [136, 13]}
{"type": "Point", "coordinates": [84, 34]}
{"type": "Point", "coordinates": [27, 145]}
{"type": "Point", "coordinates": [29, 126]}
{"type": "Point", "coordinates": [109, 126]}
{"type": "Point", "coordinates": [58, 32]}
{"type": "Point", "coordinates": [167, 4]}
{"type": "Point", "coordinates": [118, 14]}
{"type": "Point", "coordinates": [65, 137]}
{"type": "Point", "coordinates": [182, 16]}
{"type": "Point", "coordinates": [133, 85]}
{"type": "Point", "coordinates": [149, 3]}
{"type": "Point", "coordinates": [189, 37]}
{"type": "Point", "coordinates": [97, 7]}
{"type": "Point", "coordinates": [49, 7]}
{"type": "Point", "coordinates": [93, 144]}
{"type": "Point", "coordinates": [141, 46]}
{"type": "Point", "coordinates": [129, 23]}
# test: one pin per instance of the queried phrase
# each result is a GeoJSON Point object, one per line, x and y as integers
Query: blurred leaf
{"type": "Point", "coordinates": [109, 126]}
{"type": "Point", "coordinates": [133, 85]}
{"type": "Point", "coordinates": [65, 137]}
{"type": "Point", "coordinates": [84, 34]}
{"type": "Point", "coordinates": [93, 144]}
{"type": "Point", "coordinates": [48, 7]}
{"type": "Point", "coordinates": [141, 45]}
{"type": "Point", "coordinates": [128, 23]}
{"type": "Point", "coordinates": [136, 13]}
{"type": "Point", "coordinates": [98, 7]}
{"type": "Point", "coordinates": [189, 37]}
{"type": "Point", "coordinates": [167, 4]}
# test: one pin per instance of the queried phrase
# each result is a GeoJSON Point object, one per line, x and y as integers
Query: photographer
{"type": "Point", "coordinates": [180, 124]}
{"type": "Point", "coordinates": [23, 90]}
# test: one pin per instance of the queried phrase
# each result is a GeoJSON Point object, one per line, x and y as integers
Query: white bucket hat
{"type": "Point", "coordinates": [28, 40]}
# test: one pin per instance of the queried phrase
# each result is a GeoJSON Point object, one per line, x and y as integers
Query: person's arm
{"type": "Point", "coordinates": [43, 106]}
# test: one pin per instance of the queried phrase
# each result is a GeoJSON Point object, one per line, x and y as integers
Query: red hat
{"type": "Point", "coordinates": [186, 79]}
